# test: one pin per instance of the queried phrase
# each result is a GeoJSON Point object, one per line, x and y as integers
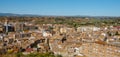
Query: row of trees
{"type": "Point", "coordinates": [72, 21]}
{"type": "Point", "coordinates": [38, 55]}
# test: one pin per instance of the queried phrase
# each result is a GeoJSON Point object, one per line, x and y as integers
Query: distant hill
{"type": "Point", "coordinates": [79, 16]}
{"type": "Point", "coordinates": [12, 14]}
{"type": "Point", "coordinates": [8, 14]}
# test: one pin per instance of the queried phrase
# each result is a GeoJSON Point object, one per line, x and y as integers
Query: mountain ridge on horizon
{"type": "Point", "coordinates": [37, 15]}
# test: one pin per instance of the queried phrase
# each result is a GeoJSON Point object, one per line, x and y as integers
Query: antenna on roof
{"type": "Point", "coordinates": [6, 26]}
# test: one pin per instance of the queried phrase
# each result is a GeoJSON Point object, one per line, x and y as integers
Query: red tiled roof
{"type": "Point", "coordinates": [118, 27]}
{"type": "Point", "coordinates": [29, 49]}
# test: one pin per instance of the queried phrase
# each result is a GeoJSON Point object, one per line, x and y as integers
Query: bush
{"type": "Point", "coordinates": [37, 55]}
{"type": "Point", "coordinates": [19, 54]}
{"type": "Point", "coordinates": [58, 55]}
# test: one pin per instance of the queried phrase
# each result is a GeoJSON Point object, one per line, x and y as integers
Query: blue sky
{"type": "Point", "coordinates": [62, 7]}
